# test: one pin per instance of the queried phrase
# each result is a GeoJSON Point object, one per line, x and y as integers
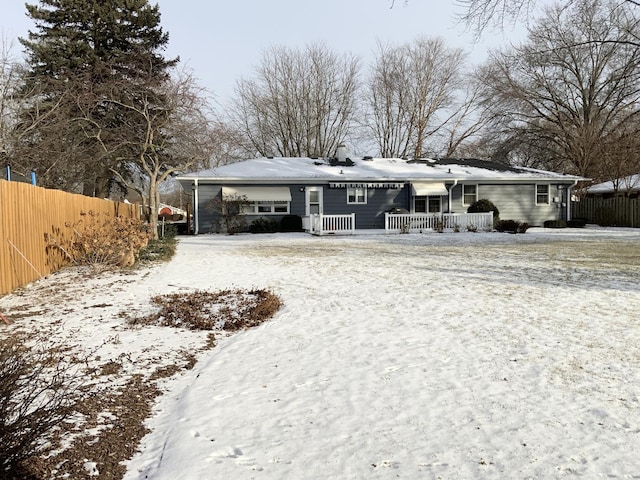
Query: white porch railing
{"type": "Point", "coordinates": [320, 224]}
{"type": "Point", "coordinates": [419, 222]}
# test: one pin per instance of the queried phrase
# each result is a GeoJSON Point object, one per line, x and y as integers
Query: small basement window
{"type": "Point", "coordinates": [357, 195]}
{"type": "Point", "coordinates": [542, 194]}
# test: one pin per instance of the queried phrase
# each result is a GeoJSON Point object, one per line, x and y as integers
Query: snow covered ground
{"type": "Point", "coordinates": [450, 356]}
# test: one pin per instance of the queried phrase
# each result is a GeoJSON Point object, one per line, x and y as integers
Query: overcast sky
{"type": "Point", "coordinates": [222, 40]}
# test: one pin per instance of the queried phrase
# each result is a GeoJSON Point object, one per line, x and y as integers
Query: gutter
{"type": "Point", "coordinates": [569, 188]}
{"type": "Point", "coordinates": [455, 182]}
{"type": "Point", "coordinates": [196, 215]}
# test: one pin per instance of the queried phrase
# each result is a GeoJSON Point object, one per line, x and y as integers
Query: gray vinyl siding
{"type": "Point", "coordinates": [371, 214]}
{"type": "Point", "coordinates": [210, 222]}
{"type": "Point", "coordinates": [208, 219]}
{"type": "Point", "coordinates": [516, 202]}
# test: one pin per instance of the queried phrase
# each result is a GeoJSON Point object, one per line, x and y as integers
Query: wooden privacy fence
{"type": "Point", "coordinates": [615, 211]}
{"type": "Point", "coordinates": [30, 217]}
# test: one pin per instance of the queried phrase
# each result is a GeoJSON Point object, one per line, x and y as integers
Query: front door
{"type": "Point", "coordinates": [313, 200]}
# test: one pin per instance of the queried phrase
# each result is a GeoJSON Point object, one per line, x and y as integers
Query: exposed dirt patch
{"type": "Point", "coordinates": [121, 383]}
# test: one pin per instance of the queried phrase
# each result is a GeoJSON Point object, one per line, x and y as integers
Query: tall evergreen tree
{"type": "Point", "coordinates": [81, 52]}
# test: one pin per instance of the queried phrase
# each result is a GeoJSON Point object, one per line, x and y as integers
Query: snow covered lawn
{"type": "Point", "coordinates": [448, 356]}
{"type": "Point", "coordinates": [412, 356]}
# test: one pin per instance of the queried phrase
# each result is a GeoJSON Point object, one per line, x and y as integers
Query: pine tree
{"type": "Point", "coordinates": [82, 52]}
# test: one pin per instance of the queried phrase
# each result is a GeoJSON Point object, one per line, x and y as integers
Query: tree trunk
{"type": "Point", "coordinates": [153, 207]}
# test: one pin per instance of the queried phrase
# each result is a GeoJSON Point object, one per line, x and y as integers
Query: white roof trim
{"type": "Point", "coordinates": [256, 194]}
{"type": "Point", "coordinates": [425, 189]}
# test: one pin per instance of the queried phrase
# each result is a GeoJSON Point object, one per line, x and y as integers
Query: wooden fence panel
{"type": "Point", "coordinates": [31, 218]}
{"type": "Point", "coordinates": [615, 211]}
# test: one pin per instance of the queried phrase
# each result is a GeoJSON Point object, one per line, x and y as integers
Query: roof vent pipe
{"type": "Point", "coordinates": [341, 153]}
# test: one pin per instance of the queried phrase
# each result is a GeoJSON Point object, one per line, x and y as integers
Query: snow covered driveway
{"type": "Point", "coordinates": [448, 356]}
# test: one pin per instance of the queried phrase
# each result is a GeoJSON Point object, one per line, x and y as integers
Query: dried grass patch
{"type": "Point", "coordinates": [229, 310]}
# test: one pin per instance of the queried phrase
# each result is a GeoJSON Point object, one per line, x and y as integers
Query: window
{"type": "Point", "coordinates": [426, 204]}
{"type": "Point", "coordinates": [434, 205]}
{"type": "Point", "coordinates": [266, 207]}
{"type": "Point", "coordinates": [469, 194]}
{"type": "Point", "coordinates": [356, 195]}
{"type": "Point", "coordinates": [542, 194]}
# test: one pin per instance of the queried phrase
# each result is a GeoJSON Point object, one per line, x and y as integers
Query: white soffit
{"type": "Point", "coordinates": [257, 194]}
{"type": "Point", "coordinates": [425, 189]}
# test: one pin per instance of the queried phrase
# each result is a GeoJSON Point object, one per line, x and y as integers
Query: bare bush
{"type": "Point", "coordinates": [39, 389]}
{"type": "Point", "coordinates": [102, 240]}
{"type": "Point", "coordinates": [229, 310]}
{"type": "Point", "coordinates": [231, 209]}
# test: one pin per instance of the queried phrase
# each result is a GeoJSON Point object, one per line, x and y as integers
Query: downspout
{"type": "Point", "coordinates": [575, 182]}
{"type": "Point", "coordinates": [455, 182]}
{"type": "Point", "coordinates": [196, 210]}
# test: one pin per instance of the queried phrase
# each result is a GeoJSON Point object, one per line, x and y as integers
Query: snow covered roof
{"type": "Point", "coordinates": [625, 184]}
{"type": "Point", "coordinates": [288, 169]}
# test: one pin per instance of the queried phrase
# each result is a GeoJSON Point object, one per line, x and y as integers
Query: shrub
{"type": "Point", "coordinates": [577, 223]}
{"type": "Point", "coordinates": [291, 223]}
{"type": "Point", "coordinates": [167, 230]}
{"type": "Point", "coordinates": [39, 389]}
{"type": "Point", "coordinates": [554, 224]}
{"type": "Point", "coordinates": [484, 205]}
{"type": "Point", "coordinates": [263, 225]}
{"type": "Point", "coordinates": [231, 211]}
{"type": "Point", "coordinates": [161, 250]}
{"type": "Point", "coordinates": [511, 226]}
{"type": "Point", "coordinates": [101, 241]}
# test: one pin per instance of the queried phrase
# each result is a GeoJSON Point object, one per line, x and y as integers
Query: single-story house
{"type": "Point", "coordinates": [367, 188]}
{"type": "Point", "coordinates": [625, 186]}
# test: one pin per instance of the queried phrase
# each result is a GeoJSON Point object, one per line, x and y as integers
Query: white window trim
{"type": "Point", "coordinates": [252, 208]}
{"type": "Point", "coordinates": [356, 202]}
{"type": "Point", "coordinates": [548, 202]}
{"type": "Point", "coordinates": [463, 195]}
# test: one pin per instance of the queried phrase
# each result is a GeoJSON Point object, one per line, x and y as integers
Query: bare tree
{"type": "Point", "coordinates": [9, 84]}
{"type": "Point", "coordinates": [411, 89]}
{"type": "Point", "coordinates": [228, 146]}
{"type": "Point", "coordinates": [468, 121]}
{"type": "Point", "coordinates": [300, 102]}
{"type": "Point", "coordinates": [569, 91]}
{"type": "Point", "coordinates": [480, 15]}
{"type": "Point", "coordinates": [169, 130]}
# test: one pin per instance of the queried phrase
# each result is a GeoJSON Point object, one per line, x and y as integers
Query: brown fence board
{"type": "Point", "coordinates": [615, 211]}
{"type": "Point", "coordinates": [28, 216]}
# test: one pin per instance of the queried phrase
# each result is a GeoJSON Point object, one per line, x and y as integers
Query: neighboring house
{"type": "Point", "coordinates": [626, 186]}
{"type": "Point", "coordinates": [171, 213]}
{"type": "Point", "coordinates": [369, 187]}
